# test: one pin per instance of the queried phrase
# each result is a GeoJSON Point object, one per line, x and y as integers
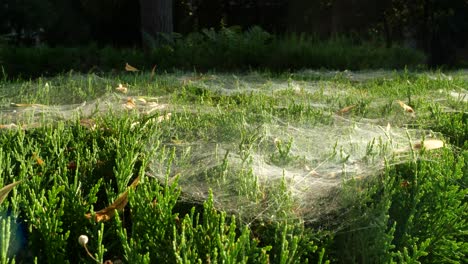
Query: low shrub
{"type": "Point", "coordinates": [227, 49]}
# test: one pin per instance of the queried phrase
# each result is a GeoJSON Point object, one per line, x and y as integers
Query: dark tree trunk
{"type": "Point", "coordinates": [426, 34]}
{"type": "Point", "coordinates": [336, 18]}
{"type": "Point", "coordinates": [388, 35]}
{"type": "Point", "coordinates": [156, 18]}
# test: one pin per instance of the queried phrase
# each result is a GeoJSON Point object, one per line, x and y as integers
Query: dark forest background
{"type": "Point", "coordinates": [436, 27]}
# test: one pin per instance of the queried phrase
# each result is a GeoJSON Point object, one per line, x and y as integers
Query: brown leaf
{"type": "Point", "coordinates": [109, 212]}
{"type": "Point", "coordinates": [130, 104]}
{"type": "Point", "coordinates": [404, 184]}
{"type": "Point", "coordinates": [191, 79]}
{"type": "Point", "coordinates": [345, 110]}
{"type": "Point", "coordinates": [152, 72]}
{"type": "Point", "coordinates": [130, 68]}
{"type": "Point", "coordinates": [88, 123]}
{"type": "Point", "coordinates": [119, 204]}
{"type": "Point", "coordinates": [38, 159]}
{"type": "Point", "coordinates": [406, 107]}
{"type": "Point", "coordinates": [6, 189]}
{"type": "Point", "coordinates": [71, 165]}
{"type": "Point", "coordinates": [135, 182]}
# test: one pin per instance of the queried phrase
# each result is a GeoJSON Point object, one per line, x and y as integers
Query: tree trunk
{"type": "Point", "coordinates": [156, 20]}
{"type": "Point", "coordinates": [426, 34]}
{"type": "Point", "coordinates": [388, 34]}
{"type": "Point", "coordinates": [336, 17]}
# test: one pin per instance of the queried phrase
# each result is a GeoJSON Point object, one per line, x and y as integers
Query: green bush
{"type": "Point", "coordinates": [430, 209]}
{"type": "Point", "coordinates": [417, 214]}
{"type": "Point", "coordinates": [68, 171]}
{"type": "Point", "coordinates": [227, 49]}
{"type": "Point", "coordinates": [412, 211]}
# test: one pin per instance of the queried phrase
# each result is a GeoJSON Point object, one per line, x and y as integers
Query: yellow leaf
{"type": "Point", "coordinates": [177, 142]}
{"type": "Point", "coordinates": [119, 204]}
{"type": "Point", "coordinates": [121, 88]}
{"type": "Point", "coordinates": [345, 110]}
{"type": "Point", "coordinates": [6, 189]}
{"type": "Point", "coordinates": [26, 105]}
{"type": "Point", "coordinates": [130, 68]}
{"type": "Point", "coordinates": [406, 107]}
{"type": "Point", "coordinates": [130, 104]}
{"type": "Point", "coordinates": [164, 117]}
{"type": "Point", "coordinates": [142, 100]}
{"type": "Point", "coordinates": [429, 144]}
{"type": "Point", "coordinates": [38, 159]}
{"type": "Point", "coordinates": [8, 126]}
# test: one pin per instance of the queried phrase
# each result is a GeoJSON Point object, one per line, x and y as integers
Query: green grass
{"type": "Point", "coordinates": [214, 154]}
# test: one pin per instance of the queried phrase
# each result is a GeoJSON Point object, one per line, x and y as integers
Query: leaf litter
{"type": "Point", "coordinates": [118, 205]}
{"type": "Point", "coordinates": [5, 190]}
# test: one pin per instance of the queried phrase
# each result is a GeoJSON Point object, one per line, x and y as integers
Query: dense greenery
{"type": "Point", "coordinates": [101, 162]}
{"type": "Point", "coordinates": [227, 49]}
{"type": "Point", "coordinates": [435, 27]}
{"type": "Point", "coordinates": [414, 210]}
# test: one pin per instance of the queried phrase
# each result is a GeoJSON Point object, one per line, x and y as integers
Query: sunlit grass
{"type": "Point", "coordinates": [235, 167]}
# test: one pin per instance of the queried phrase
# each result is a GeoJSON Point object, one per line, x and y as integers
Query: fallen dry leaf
{"type": "Point", "coordinates": [121, 88]}
{"type": "Point", "coordinates": [119, 204]}
{"type": "Point", "coordinates": [8, 126]}
{"type": "Point", "coordinates": [88, 123]}
{"type": "Point", "coordinates": [71, 165]}
{"type": "Point", "coordinates": [191, 79]}
{"type": "Point", "coordinates": [142, 100]}
{"type": "Point", "coordinates": [153, 107]}
{"type": "Point", "coordinates": [404, 184]}
{"type": "Point", "coordinates": [152, 72]}
{"type": "Point", "coordinates": [130, 68]}
{"type": "Point", "coordinates": [38, 159]}
{"type": "Point", "coordinates": [5, 190]}
{"type": "Point", "coordinates": [429, 144]}
{"type": "Point", "coordinates": [164, 117]}
{"type": "Point", "coordinates": [130, 104]}
{"type": "Point", "coordinates": [26, 105]}
{"type": "Point", "coordinates": [406, 107]}
{"type": "Point", "coordinates": [177, 141]}
{"type": "Point", "coordinates": [345, 110]}
{"type": "Point", "coordinates": [134, 124]}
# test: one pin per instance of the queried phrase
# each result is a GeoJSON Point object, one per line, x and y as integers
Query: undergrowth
{"type": "Point", "coordinates": [225, 50]}
{"type": "Point", "coordinates": [412, 211]}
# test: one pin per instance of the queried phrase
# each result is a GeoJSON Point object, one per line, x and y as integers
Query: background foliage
{"type": "Point", "coordinates": [435, 27]}
{"type": "Point", "coordinates": [223, 50]}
